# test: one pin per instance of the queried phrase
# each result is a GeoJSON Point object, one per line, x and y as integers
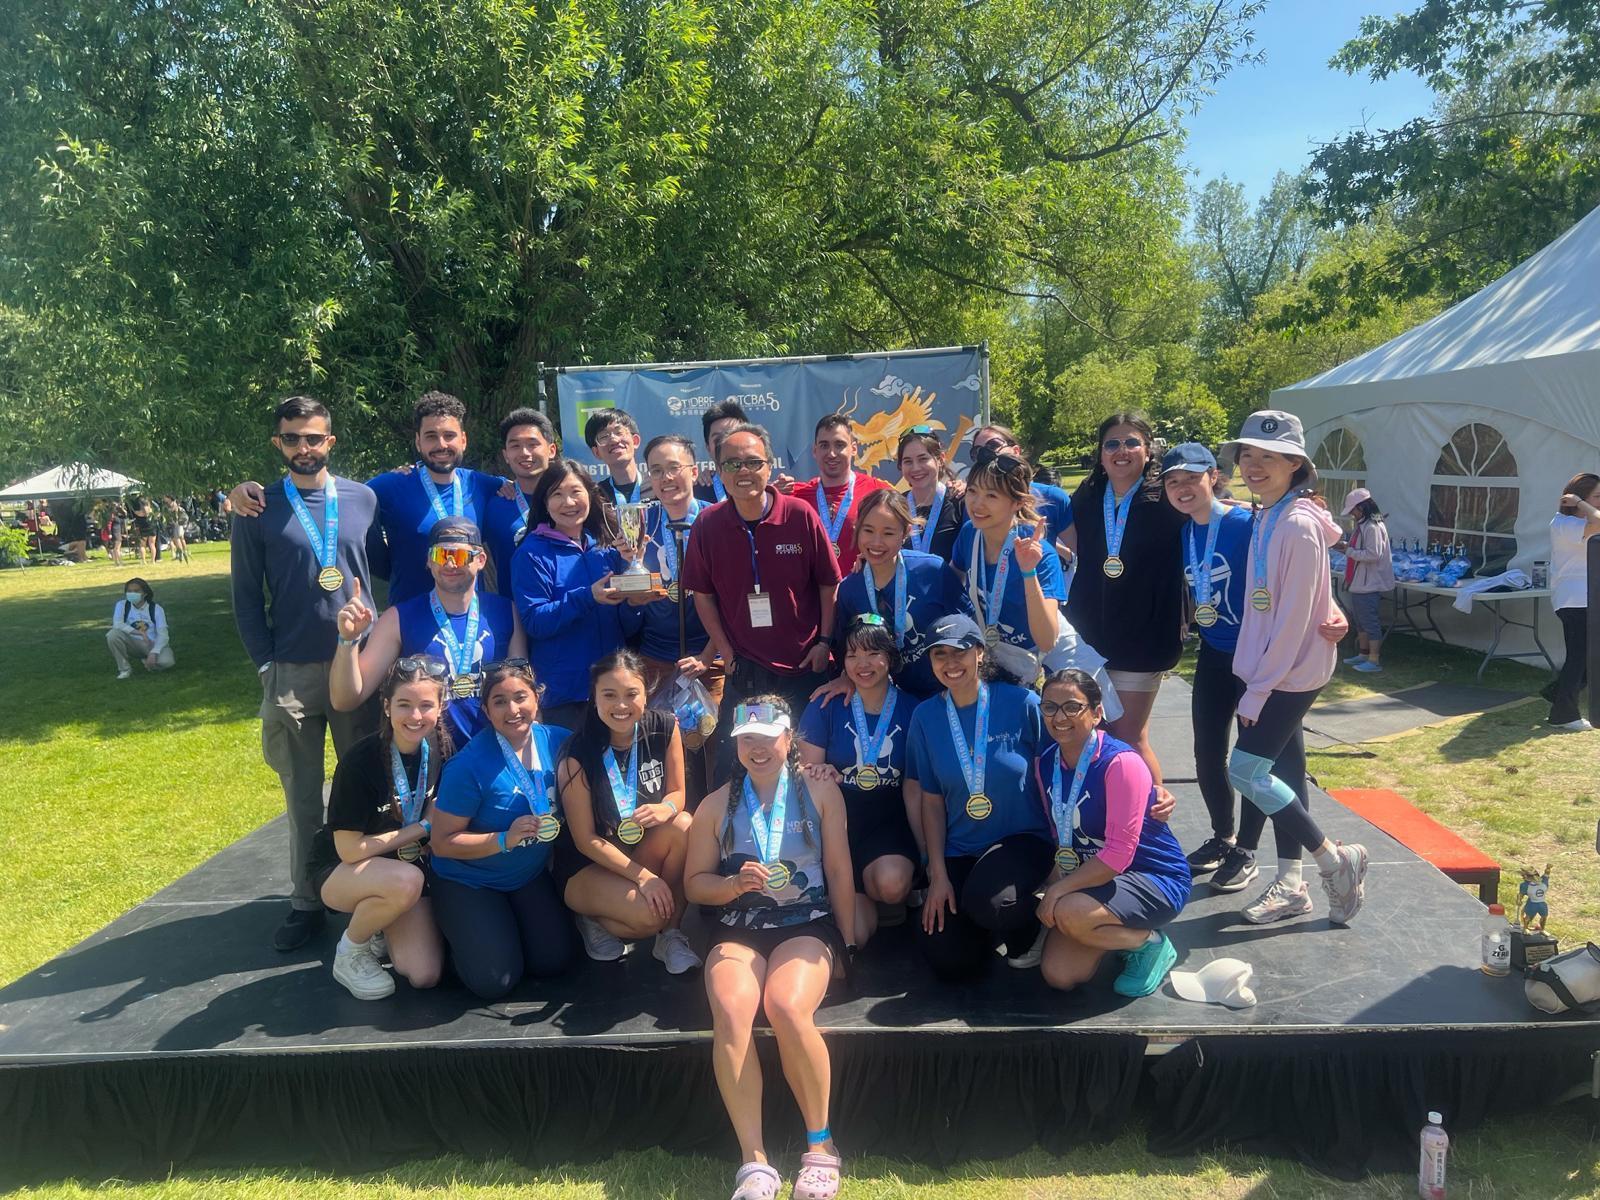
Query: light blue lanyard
{"type": "Point", "coordinates": [1200, 569]}
{"type": "Point", "coordinates": [625, 794]}
{"type": "Point", "coordinates": [324, 542]}
{"type": "Point", "coordinates": [669, 542]}
{"type": "Point", "coordinates": [834, 522]}
{"type": "Point", "coordinates": [1065, 808]}
{"type": "Point", "coordinates": [410, 798]}
{"type": "Point", "coordinates": [924, 539]}
{"type": "Point", "coordinates": [901, 611]}
{"type": "Point", "coordinates": [457, 497]}
{"type": "Point", "coordinates": [1261, 537]}
{"type": "Point", "coordinates": [460, 653]}
{"type": "Point", "coordinates": [1116, 518]}
{"type": "Point", "coordinates": [872, 745]}
{"type": "Point", "coordinates": [638, 482]}
{"type": "Point", "coordinates": [522, 507]}
{"type": "Point", "coordinates": [974, 765]}
{"type": "Point", "coordinates": [766, 828]}
{"type": "Point", "coordinates": [996, 590]}
{"type": "Point", "coordinates": [717, 490]}
{"type": "Point", "coordinates": [536, 796]}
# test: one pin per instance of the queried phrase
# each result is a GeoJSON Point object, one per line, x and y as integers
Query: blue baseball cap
{"type": "Point", "coordinates": [1191, 456]}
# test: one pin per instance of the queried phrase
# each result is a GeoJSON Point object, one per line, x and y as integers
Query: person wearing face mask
{"type": "Point", "coordinates": [495, 820]}
{"type": "Point", "coordinates": [139, 631]}
{"type": "Point", "coordinates": [621, 778]}
{"type": "Point", "coordinates": [862, 740]}
{"type": "Point", "coordinates": [528, 443]}
{"type": "Point", "coordinates": [937, 510]}
{"type": "Point", "coordinates": [1127, 595]}
{"type": "Point", "coordinates": [838, 490]}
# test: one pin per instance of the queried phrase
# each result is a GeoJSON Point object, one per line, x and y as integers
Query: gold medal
{"type": "Point", "coordinates": [464, 686]}
{"type": "Point", "coordinates": [410, 852]}
{"type": "Point", "coordinates": [1113, 567]}
{"type": "Point", "coordinates": [707, 725]}
{"type": "Point", "coordinates": [835, 546]}
{"type": "Point", "coordinates": [673, 592]}
{"type": "Point", "coordinates": [1206, 615]}
{"type": "Point", "coordinates": [867, 778]}
{"type": "Point", "coordinates": [630, 832]}
{"type": "Point", "coordinates": [330, 579]}
{"type": "Point", "coordinates": [979, 806]}
{"type": "Point", "coordinates": [778, 876]}
{"type": "Point", "coordinates": [1067, 859]}
{"type": "Point", "coordinates": [1261, 600]}
{"type": "Point", "coordinates": [549, 827]}
{"type": "Point", "coordinates": [991, 636]}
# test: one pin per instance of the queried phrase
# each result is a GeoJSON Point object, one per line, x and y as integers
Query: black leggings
{"type": "Point", "coordinates": [1274, 731]}
{"type": "Point", "coordinates": [1574, 672]}
{"type": "Point", "coordinates": [994, 901]}
{"type": "Point", "coordinates": [497, 937]}
{"type": "Point", "coordinates": [1213, 705]}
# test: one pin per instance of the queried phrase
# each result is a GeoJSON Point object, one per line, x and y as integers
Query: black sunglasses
{"type": "Point", "coordinates": [508, 664]}
{"type": "Point", "coordinates": [1003, 459]}
{"type": "Point", "coordinates": [420, 664]}
{"type": "Point", "coordinates": [312, 440]}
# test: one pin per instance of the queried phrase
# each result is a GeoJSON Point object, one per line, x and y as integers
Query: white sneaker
{"type": "Point", "coordinates": [128, 674]}
{"type": "Point", "coordinates": [598, 943]}
{"type": "Point", "coordinates": [1346, 886]}
{"type": "Point", "coordinates": [1578, 726]}
{"type": "Point", "coordinates": [362, 976]}
{"type": "Point", "coordinates": [379, 946]}
{"type": "Point", "coordinates": [673, 951]}
{"type": "Point", "coordinates": [1278, 903]}
{"type": "Point", "coordinates": [1034, 955]}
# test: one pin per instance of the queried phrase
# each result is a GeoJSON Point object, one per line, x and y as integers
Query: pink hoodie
{"type": "Point", "coordinates": [1280, 650]}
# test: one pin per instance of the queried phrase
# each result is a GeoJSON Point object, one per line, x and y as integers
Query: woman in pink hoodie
{"type": "Point", "coordinates": [1281, 658]}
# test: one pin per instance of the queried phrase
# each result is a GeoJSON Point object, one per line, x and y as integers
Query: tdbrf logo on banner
{"type": "Point", "coordinates": [882, 395]}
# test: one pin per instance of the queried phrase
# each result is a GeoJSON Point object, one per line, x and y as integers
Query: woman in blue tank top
{"type": "Point", "coordinates": [1119, 874]}
{"type": "Point", "coordinates": [770, 859]}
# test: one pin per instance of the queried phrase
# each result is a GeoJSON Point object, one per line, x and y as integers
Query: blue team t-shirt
{"type": "Point", "coordinates": [933, 590]}
{"type": "Point", "coordinates": [1013, 600]}
{"type": "Point", "coordinates": [408, 518]}
{"type": "Point", "coordinates": [477, 784]}
{"type": "Point", "coordinates": [1227, 573]}
{"type": "Point", "coordinates": [1015, 733]}
{"type": "Point", "coordinates": [1055, 506]}
{"type": "Point", "coordinates": [831, 728]}
{"type": "Point", "coordinates": [503, 526]}
{"type": "Point", "coordinates": [420, 634]}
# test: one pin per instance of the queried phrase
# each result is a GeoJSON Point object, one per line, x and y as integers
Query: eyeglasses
{"type": "Point", "coordinates": [453, 556]}
{"type": "Point", "coordinates": [421, 664]}
{"type": "Point", "coordinates": [671, 472]}
{"type": "Point", "coordinates": [613, 433]}
{"type": "Point", "coordinates": [735, 465]}
{"type": "Point", "coordinates": [1112, 445]}
{"type": "Point", "coordinates": [1067, 708]}
{"type": "Point", "coordinates": [310, 440]}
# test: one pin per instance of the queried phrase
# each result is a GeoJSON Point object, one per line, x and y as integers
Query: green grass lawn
{"type": "Point", "coordinates": [121, 787]}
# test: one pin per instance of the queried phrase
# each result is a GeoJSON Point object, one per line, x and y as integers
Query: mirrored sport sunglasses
{"type": "Point", "coordinates": [868, 618]}
{"type": "Point", "coordinates": [421, 665]}
{"type": "Point", "coordinates": [453, 556]}
{"type": "Point", "coordinates": [310, 440]}
{"type": "Point", "coordinates": [1112, 445]}
{"type": "Point", "coordinates": [762, 714]}
{"type": "Point", "coordinates": [735, 465]}
{"type": "Point", "coordinates": [1071, 708]}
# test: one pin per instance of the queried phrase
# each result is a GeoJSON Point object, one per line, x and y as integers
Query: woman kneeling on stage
{"type": "Point", "coordinates": [621, 776]}
{"type": "Point", "coordinates": [494, 820]}
{"type": "Point", "coordinates": [370, 859]}
{"type": "Point", "coordinates": [1119, 874]}
{"type": "Point", "coordinates": [770, 856]}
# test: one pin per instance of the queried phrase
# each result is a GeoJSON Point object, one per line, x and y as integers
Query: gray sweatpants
{"type": "Point", "coordinates": [295, 715]}
{"type": "Point", "coordinates": [126, 646]}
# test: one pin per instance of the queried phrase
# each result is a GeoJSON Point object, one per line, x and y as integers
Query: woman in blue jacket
{"type": "Point", "coordinates": [561, 585]}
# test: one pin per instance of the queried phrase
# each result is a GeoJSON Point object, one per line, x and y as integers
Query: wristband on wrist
{"type": "Point", "coordinates": [1029, 574]}
{"type": "Point", "coordinates": [427, 827]}
{"type": "Point", "coordinates": [502, 841]}
{"type": "Point", "coordinates": [344, 641]}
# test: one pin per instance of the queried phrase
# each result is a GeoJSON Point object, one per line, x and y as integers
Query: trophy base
{"type": "Point", "coordinates": [631, 583]}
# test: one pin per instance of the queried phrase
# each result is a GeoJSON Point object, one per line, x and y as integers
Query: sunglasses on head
{"type": "Point", "coordinates": [452, 556]}
{"type": "Point", "coordinates": [508, 664]}
{"type": "Point", "coordinates": [870, 619]}
{"type": "Point", "coordinates": [1112, 445]}
{"type": "Point", "coordinates": [310, 440]}
{"type": "Point", "coordinates": [1004, 460]}
{"type": "Point", "coordinates": [421, 664]}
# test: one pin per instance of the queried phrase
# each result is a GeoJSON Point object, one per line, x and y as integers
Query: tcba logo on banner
{"type": "Point", "coordinates": [883, 395]}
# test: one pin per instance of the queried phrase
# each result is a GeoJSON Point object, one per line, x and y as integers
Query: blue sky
{"type": "Point", "coordinates": [1269, 117]}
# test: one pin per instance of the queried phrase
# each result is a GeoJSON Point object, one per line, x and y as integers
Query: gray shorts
{"type": "Point", "coordinates": [1365, 607]}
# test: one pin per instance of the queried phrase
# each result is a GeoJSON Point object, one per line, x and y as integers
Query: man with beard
{"type": "Point", "coordinates": [838, 490]}
{"type": "Point", "coordinates": [527, 442]}
{"type": "Point", "coordinates": [293, 567]}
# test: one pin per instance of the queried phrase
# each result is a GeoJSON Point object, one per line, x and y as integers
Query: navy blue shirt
{"type": "Point", "coordinates": [831, 728]}
{"type": "Point", "coordinates": [479, 785]}
{"type": "Point", "coordinates": [503, 527]}
{"type": "Point", "coordinates": [1055, 506]}
{"type": "Point", "coordinates": [420, 634]}
{"type": "Point", "coordinates": [1013, 620]}
{"type": "Point", "coordinates": [933, 590]}
{"type": "Point", "coordinates": [282, 613]}
{"type": "Point", "coordinates": [408, 518]}
{"type": "Point", "coordinates": [1227, 573]}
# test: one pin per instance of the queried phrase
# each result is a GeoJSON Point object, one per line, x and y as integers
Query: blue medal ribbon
{"type": "Point", "coordinates": [410, 799]}
{"type": "Point", "coordinates": [638, 482]}
{"type": "Point", "coordinates": [460, 653]}
{"type": "Point", "coordinates": [626, 794]}
{"type": "Point", "coordinates": [1261, 525]}
{"type": "Point", "coordinates": [872, 744]}
{"type": "Point", "coordinates": [833, 522]}
{"type": "Point", "coordinates": [1116, 518]}
{"type": "Point", "coordinates": [901, 608]}
{"type": "Point", "coordinates": [522, 507]}
{"type": "Point", "coordinates": [1064, 807]}
{"type": "Point", "coordinates": [324, 542]}
{"type": "Point", "coordinates": [436, 502]}
{"type": "Point", "coordinates": [766, 827]}
{"type": "Point", "coordinates": [1200, 568]}
{"type": "Point", "coordinates": [996, 590]}
{"type": "Point", "coordinates": [669, 542]}
{"type": "Point", "coordinates": [923, 538]}
{"type": "Point", "coordinates": [974, 764]}
{"type": "Point", "coordinates": [717, 490]}
{"type": "Point", "coordinates": [537, 797]}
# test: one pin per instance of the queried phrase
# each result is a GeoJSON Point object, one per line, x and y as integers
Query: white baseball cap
{"type": "Point", "coordinates": [1221, 981]}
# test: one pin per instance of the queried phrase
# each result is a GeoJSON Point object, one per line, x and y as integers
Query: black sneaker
{"type": "Point", "coordinates": [1211, 854]}
{"type": "Point", "coordinates": [1236, 872]}
{"type": "Point", "coordinates": [297, 929]}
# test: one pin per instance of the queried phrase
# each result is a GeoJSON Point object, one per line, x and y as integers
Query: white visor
{"type": "Point", "coordinates": [1223, 981]}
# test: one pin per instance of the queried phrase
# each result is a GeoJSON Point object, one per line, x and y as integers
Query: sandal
{"type": "Point", "coordinates": [756, 1181]}
{"type": "Point", "coordinates": [818, 1178]}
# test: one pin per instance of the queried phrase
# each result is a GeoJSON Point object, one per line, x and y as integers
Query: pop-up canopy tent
{"type": "Point", "coordinates": [69, 482]}
{"type": "Point", "coordinates": [1466, 427]}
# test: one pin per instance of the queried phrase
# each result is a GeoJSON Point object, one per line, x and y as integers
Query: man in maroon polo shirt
{"type": "Point", "coordinates": [842, 487]}
{"type": "Point", "coordinates": [763, 578]}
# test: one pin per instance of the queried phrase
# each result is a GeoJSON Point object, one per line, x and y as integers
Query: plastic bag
{"type": "Point", "coordinates": [689, 702]}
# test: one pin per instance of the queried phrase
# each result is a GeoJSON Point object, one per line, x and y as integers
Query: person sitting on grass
{"type": "Point", "coordinates": [1119, 875]}
{"type": "Point", "coordinates": [139, 630]}
{"type": "Point", "coordinates": [621, 778]}
{"type": "Point", "coordinates": [1368, 576]}
{"type": "Point", "coordinates": [371, 857]}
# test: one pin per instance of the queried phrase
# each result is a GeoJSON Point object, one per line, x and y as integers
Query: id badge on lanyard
{"type": "Point", "coordinates": [760, 610]}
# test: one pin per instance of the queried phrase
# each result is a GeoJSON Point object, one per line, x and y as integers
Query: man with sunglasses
{"type": "Point", "coordinates": [764, 578]}
{"type": "Point", "coordinates": [1055, 506]}
{"type": "Point", "coordinates": [456, 623]}
{"type": "Point", "coordinates": [292, 567]}
{"type": "Point", "coordinates": [838, 489]}
{"type": "Point", "coordinates": [528, 442]}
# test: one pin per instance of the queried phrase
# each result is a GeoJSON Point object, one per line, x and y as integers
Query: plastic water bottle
{"type": "Point", "coordinates": [1435, 1148]}
{"type": "Point", "coordinates": [1496, 942]}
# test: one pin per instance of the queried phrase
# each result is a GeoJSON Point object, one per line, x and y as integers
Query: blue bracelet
{"type": "Point", "coordinates": [502, 841]}
{"type": "Point", "coordinates": [1029, 574]}
{"type": "Point", "coordinates": [819, 1137]}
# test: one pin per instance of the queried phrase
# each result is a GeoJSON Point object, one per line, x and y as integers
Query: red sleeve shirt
{"type": "Point", "coordinates": [806, 493]}
{"type": "Point", "coordinates": [794, 563]}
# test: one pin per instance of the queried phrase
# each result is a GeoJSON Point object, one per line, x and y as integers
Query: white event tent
{"type": "Point", "coordinates": [68, 482]}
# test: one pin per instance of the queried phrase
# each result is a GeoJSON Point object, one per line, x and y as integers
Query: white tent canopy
{"type": "Point", "coordinates": [68, 482]}
{"type": "Point", "coordinates": [1466, 427]}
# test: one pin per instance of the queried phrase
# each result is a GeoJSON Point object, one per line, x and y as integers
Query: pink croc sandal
{"type": "Point", "coordinates": [756, 1181]}
{"type": "Point", "coordinates": [818, 1178]}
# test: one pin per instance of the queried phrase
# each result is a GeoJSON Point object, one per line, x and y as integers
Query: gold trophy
{"type": "Point", "coordinates": [635, 578]}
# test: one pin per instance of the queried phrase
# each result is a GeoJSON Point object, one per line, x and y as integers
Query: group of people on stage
{"type": "Point", "coordinates": [934, 698]}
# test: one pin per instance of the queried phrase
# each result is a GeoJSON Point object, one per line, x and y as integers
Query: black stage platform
{"type": "Point", "coordinates": [176, 1035]}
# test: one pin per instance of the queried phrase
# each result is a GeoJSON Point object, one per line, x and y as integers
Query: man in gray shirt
{"type": "Point", "coordinates": [293, 567]}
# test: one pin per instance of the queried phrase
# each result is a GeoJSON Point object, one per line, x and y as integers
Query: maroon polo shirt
{"type": "Point", "coordinates": [795, 561]}
{"type": "Point", "coordinates": [806, 493]}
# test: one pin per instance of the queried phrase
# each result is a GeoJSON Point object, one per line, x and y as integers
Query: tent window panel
{"type": "Point", "coordinates": [1469, 503]}
{"type": "Point", "coordinates": [1341, 454]}
{"type": "Point", "coordinates": [1502, 517]}
{"type": "Point", "coordinates": [1442, 506]}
